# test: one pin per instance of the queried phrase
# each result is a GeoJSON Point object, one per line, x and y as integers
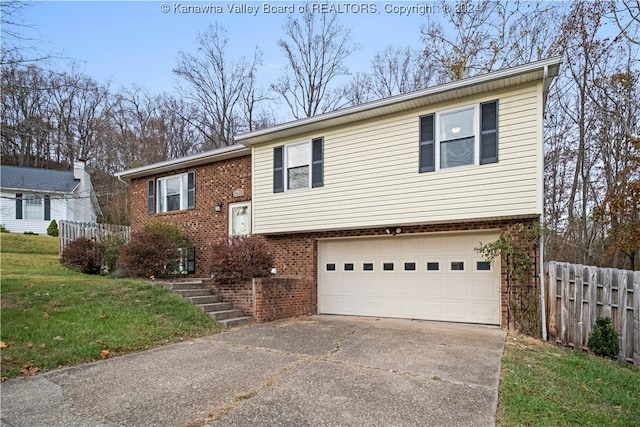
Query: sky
{"type": "Point", "coordinates": [137, 43]}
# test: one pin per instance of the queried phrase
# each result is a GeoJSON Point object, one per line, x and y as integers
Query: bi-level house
{"type": "Point", "coordinates": [376, 210]}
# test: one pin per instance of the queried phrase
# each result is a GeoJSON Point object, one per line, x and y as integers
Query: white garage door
{"type": "Point", "coordinates": [432, 277]}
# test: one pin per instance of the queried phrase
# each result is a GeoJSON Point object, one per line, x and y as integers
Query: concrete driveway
{"type": "Point", "coordinates": [318, 370]}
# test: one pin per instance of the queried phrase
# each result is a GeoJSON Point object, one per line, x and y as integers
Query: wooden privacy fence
{"type": "Point", "coordinates": [578, 294]}
{"type": "Point", "coordinates": [71, 230]}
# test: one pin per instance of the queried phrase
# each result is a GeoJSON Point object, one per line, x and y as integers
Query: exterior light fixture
{"type": "Point", "coordinates": [218, 207]}
{"type": "Point", "coordinates": [393, 230]}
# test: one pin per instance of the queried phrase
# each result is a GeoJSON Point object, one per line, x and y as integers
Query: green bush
{"type": "Point", "coordinates": [241, 258]}
{"type": "Point", "coordinates": [110, 247]}
{"type": "Point", "coordinates": [154, 251]}
{"type": "Point", "coordinates": [603, 340]}
{"type": "Point", "coordinates": [52, 230]}
{"type": "Point", "coordinates": [83, 255]}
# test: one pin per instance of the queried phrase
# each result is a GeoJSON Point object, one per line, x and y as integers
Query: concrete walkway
{"type": "Point", "coordinates": [319, 370]}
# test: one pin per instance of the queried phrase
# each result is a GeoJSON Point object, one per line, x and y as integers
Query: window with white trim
{"type": "Point", "coordinates": [172, 193]}
{"type": "Point", "coordinates": [466, 136]}
{"type": "Point", "coordinates": [298, 165]}
{"type": "Point", "coordinates": [33, 207]}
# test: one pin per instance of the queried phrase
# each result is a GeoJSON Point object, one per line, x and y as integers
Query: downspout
{"type": "Point", "coordinates": [543, 308]}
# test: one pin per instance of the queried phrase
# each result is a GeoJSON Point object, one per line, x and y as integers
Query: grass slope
{"type": "Point", "coordinates": [52, 316]}
{"type": "Point", "coordinates": [547, 385]}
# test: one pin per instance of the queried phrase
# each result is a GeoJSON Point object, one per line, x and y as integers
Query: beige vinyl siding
{"type": "Point", "coordinates": [371, 174]}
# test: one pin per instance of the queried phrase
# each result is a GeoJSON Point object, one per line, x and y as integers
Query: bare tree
{"type": "Point", "coordinates": [217, 85]}
{"type": "Point", "coordinates": [18, 45]}
{"type": "Point", "coordinates": [359, 89]}
{"type": "Point", "coordinates": [489, 35]}
{"type": "Point", "coordinates": [26, 122]}
{"type": "Point", "coordinates": [399, 70]}
{"type": "Point", "coordinates": [626, 14]}
{"type": "Point", "coordinates": [78, 103]}
{"type": "Point", "coordinates": [315, 48]}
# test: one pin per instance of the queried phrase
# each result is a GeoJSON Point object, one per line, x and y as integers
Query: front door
{"type": "Point", "coordinates": [240, 219]}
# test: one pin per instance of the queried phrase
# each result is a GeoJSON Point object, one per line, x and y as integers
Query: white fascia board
{"type": "Point", "coordinates": [211, 156]}
{"type": "Point", "coordinates": [32, 191]}
{"type": "Point", "coordinates": [456, 89]}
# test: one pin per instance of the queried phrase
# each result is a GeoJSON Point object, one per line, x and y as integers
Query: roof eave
{"type": "Point", "coordinates": [217, 155]}
{"type": "Point", "coordinates": [34, 191]}
{"type": "Point", "coordinates": [511, 76]}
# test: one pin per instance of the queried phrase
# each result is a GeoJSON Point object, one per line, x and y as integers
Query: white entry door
{"type": "Point", "coordinates": [433, 277]}
{"type": "Point", "coordinates": [240, 219]}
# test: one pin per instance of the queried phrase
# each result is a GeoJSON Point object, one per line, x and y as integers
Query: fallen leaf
{"type": "Point", "coordinates": [3, 344]}
{"type": "Point", "coordinates": [29, 344]}
{"type": "Point", "coordinates": [599, 381]}
{"type": "Point", "coordinates": [29, 369]}
{"type": "Point", "coordinates": [58, 338]}
{"type": "Point", "coordinates": [43, 345]}
{"type": "Point", "coordinates": [104, 354]}
{"type": "Point", "coordinates": [3, 379]}
{"type": "Point", "coordinates": [46, 316]}
{"type": "Point", "coordinates": [584, 387]}
{"type": "Point", "coordinates": [102, 316]}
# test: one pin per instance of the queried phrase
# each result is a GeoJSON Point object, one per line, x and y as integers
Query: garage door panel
{"type": "Point", "coordinates": [432, 277]}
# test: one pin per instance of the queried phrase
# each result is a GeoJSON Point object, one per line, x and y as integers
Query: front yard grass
{"type": "Point", "coordinates": [547, 385]}
{"type": "Point", "coordinates": [52, 316]}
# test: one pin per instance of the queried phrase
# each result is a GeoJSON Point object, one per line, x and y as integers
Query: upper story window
{"type": "Point", "coordinates": [172, 193]}
{"type": "Point", "coordinates": [461, 137]}
{"type": "Point", "coordinates": [30, 206]}
{"type": "Point", "coordinates": [298, 165]}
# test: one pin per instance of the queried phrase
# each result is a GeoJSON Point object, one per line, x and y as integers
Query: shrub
{"type": "Point", "coordinates": [110, 248]}
{"type": "Point", "coordinates": [241, 258]}
{"type": "Point", "coordinates": [603, 340]}
{"type": "Point", "coordinates": [83, 255]}
{"type": "Point", "coordinates": [52, 230]}
{"type": "Point", "coordinates": [3, 229]}
{"type": "Point", "coordinates": [154, 251]}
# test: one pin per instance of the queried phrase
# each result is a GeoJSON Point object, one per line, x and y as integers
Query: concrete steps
{"type": "Point", "coordinates": [203, 297]}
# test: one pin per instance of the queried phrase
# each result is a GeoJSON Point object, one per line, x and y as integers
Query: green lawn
{"type": "Point", "coordinates": [547, 385]}
{"type": "Point", "coordinates": [52, 316]}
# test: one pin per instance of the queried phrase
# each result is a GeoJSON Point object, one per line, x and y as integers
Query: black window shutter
{"type": "Point", "coordinates": [151, 204]}
{"type": "Point", "coordinates": [278, 169]}
{"type": "Point", "coordinates": [47, 208]}
{"type": "Point", "coordinates": [18, 205]}
{"type": "Point", "coordinates": [317, 155]}
{"type": "Point", "coordinates": [427, 146]}
{"type": "Point", "coordinates": [191, 190]}
{"type": "Point", "coordinates": [489, 132]}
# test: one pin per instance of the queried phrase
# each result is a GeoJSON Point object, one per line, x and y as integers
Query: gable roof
{"type": "Point", "coordinates": [37, 180]}
{"type": "Point", "coordinates": [545, 70]}
{"type": "Point", "coordinates": [210, 156]}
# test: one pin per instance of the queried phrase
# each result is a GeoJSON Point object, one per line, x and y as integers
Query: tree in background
{"type": "Point", "coordinates": [316, 47]}
{"type": "Point", "coordinates": [219, 86]}
{"type": "Point", "coordinates": [487, 36]}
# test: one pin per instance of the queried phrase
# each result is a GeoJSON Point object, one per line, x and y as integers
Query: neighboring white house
{"type": "Point", "coordinates": [30, 198]}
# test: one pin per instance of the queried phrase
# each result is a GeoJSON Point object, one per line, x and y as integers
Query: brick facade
{"type": "Point", "coordinates": [214, 182]}
{"type": "Point", "coordinates": [296, 254]}
{"type": "Point", "coordinates": [294, 290]}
